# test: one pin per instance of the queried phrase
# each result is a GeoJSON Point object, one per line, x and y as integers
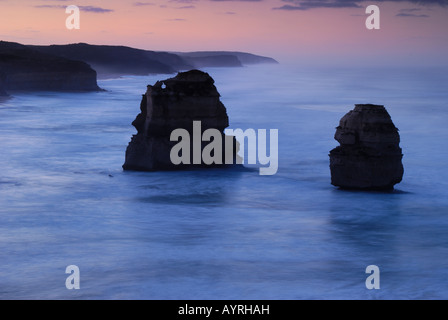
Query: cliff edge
{"type": "Point", "coordinates": [25, 69]}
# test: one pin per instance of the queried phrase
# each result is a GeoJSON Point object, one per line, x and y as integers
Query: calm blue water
{"type": "Point", "coordinates": [64, 199]}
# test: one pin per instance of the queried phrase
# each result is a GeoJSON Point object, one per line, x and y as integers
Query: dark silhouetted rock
{"type": "Point", "coordinates": [172, 104]}
{"type": "Point", "coordinates": [25, 69]}
{"type": "Point", "coordinates": [369, 156]}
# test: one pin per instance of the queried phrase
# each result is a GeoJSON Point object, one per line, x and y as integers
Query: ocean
{"type": "Point", "coordinates": [224, 234]}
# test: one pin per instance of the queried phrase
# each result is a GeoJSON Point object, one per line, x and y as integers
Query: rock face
{"type": "Point", "coordinates": [2, 90]}
{"type": "Point", "coordinates": [25, 69]}
{"type": "Point", "coordinates": [369, 156]}
{"type": "Point", "coordinates": [173, 104]}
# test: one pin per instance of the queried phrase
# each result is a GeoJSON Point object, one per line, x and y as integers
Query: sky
{"type": "Point", "coordinates": [324, 31]}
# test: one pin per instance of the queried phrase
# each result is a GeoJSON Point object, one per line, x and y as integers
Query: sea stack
{"type": "Point", "coordinates": [191, 103]}
{"type": "Point", "coordinates": [369, 156]}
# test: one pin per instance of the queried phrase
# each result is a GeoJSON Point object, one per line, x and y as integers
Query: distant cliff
{"type": "Point", "coordinates": [25, 69]}
{"type": "Point", "coordinates": [221, 60]}
{"type": "Point", "coordinates": [220, 56]}
{"type": "Point", "coordinates": [74, 67]}
{"type": "Point", "coordinates": [110, 61]}
{"type": "Point", "coordinates": [119, 60]}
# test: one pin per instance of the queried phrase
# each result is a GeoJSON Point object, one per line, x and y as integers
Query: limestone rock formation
{"type": "Point", "coordinates": [178, 103]}
{"type": "Point", "coordinates": [369, 156]}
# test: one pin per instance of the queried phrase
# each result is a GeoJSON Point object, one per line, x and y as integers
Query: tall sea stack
{"type": "Point", "coordinates": [182, 102]}
{"type": "Point", "coordinates": [369, 156]}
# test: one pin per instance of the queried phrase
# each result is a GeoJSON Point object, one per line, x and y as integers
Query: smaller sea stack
{"type": "Point", "coordinates": [369, 156]}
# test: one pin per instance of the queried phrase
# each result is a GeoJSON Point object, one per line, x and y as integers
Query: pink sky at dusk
{"type": "Point", "coordinates": [418, 33]}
